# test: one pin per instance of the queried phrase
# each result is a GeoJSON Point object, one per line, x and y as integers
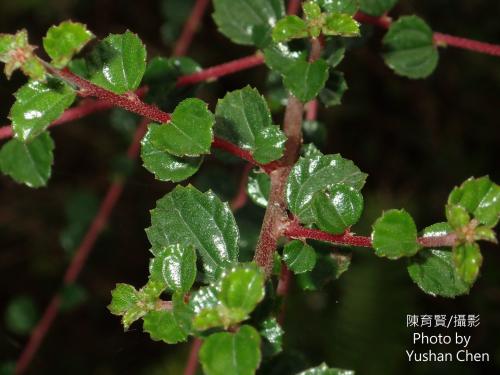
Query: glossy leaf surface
{"type": "Point", "coordinates": [269, 144]}
{"type": "Point", "coordinates": [323, 369]}
{"type": "Point", "coordinates": [258, 187]}
{"type": "Point", "coordinates": [328, 267]}
{"type": "Point", "coordinates": [376, 7]}
{"type": "Point", "coordinates": [290, 27]}
{"type": "Point", "coordinates": [299, 256]}
{"type": "Point", "coordinates": [37, 105]}
{"type": "Point", "coordinates": [272, 332]}
{"type": "Point", "coordinates": [468, 260]}
{"type": "Point", "coordinates": [339, 6]}
{"type": "Point", "coordinates": [340, 24]}
{"type": "Point", "coordinates": [305, 80]}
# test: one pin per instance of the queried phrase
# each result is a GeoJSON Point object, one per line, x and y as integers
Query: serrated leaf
{"type": "Point", "coordinates": [188, 217]}
{"type": "Point", "coordinates": [410, 48]}
{"type": "Point", "coordinates": [280, 58]}
{"type": "Point", "coordinates": [323, 369]}
{"type": "Point", "coordinates": [118, 62]}
{"type": "Point", "coordinates": [468, 260]}
{"type": "Point", "coordinates": [310, 151]}
{"type": "Point", "coordinates": [310, 175]}
{"type": "Point", "coordinates": [340, 24]}
{"type": "Point", "coordinates": [339, 6]}
{"type": "Point", "coordinates": [21, 315]}
{"type": "Point", "coordinates": [394, 235]}
{"type": "Point", "coordinates": [231, 353]}
{"type": "Point", "coordinates": [259, 185]}
{"type": "Point", "coordinates": [434, 270]}
{"type": "Point", "coordinates": [480, 197]}
{"type": "Point", "coordinates": [165, 166]}
{"type": "Point", "coordinates": [334, 90]}
{"type": "Point", "coordinates": [37, 105]}
{"type": "Point", "coordinates": [376, 7]}
{"type": "Point", "coordinates": [171, 326]}
{"type": "Point", "coordinates": [17, 53]}
{"type": "Point", "coordinates": [337, 208]}
{"type": "Point", "coordinates": [175, 266]}
{"type": "Point", "coordinates": [248, 22]}
{"type": "Point", "coordinates": [299, 256]}
{"type": "Point", "coordinates": [28, 163]}
{"type": "Point", "coordinates": [328, 267]}
{"type": "Point", "coordinates": [189, 132]}
{"type": "Point", "coordinates": [272, 332]}
{"type": "Point", "coordinates": [242, 116]}
{"type": "Point", "coordinates": [305, 80]}
{"type": "Point", "coordinates": [269, 144]}
{"type": "Point", "coordinates": [65, 40]}
{"type": "Point", "coordinates": [290, 27]}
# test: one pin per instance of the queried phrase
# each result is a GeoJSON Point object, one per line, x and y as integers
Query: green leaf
{"type": "Point", "coordinates": [480, 197]}
{"type": "Point", "coordinates": [299, 256]}
{"type": "Point", "coordinates": [339, 6]}
{"type": "Point", "coordinates": [21, 315]}
{"type": "Point", "coordinates": [328, 267]}
{"type": "Point", "coordinates": [175, 266]}
{"type": "Point", "coordinates": [229, 301]}
{"type": "Point", "coordinates": [272, 332]}
{"type": "Point", "coordinates": [118, 62]}
{"type": "Point", "coordinates": [243, 118]}
{"type": "Point", "coordinates": [434, 270]}
{"type": "Point", "coordinates": [395, 235]}
{"type": "Point", "coordinates": [37, 105]}
{"type": "Point", "coordinates": [376, 7]}
{"type": "Point", "coordinates": [290, 27]}
{"type": "Point", "coordinates": [188, 217]}
{"type": "Point", "coordinates": [318, 173]}
{"type": "Point", "coordinates": [485, 234]}
{"type": "Point", "coordinates": [305, 80]}
{"type": "Point", "coordinates": [340, 24]}
{"type": "Point", "coordinates": [231, 353]}
{"type": "Point", "coordinates": [337, 208]}
{"type": "Point", "coordinates": [248, 22]}
{"type": "Point", "coordinates": [189, 132]}
{"type": "Point", "coordinates": [410, 48]}
{"type": "Point", "coordinates": [17, 53]}
{"type": "Point", "coordinates": [334, 89]}
{"type": "Point", "coordinates": [280, 58]}
{"type": "Point", "coordinates": [468, 260]}
{"type": "Point", "coordinates": [323, 369]}
{"type": "Point", "coordinates": [171, 326]}
{"type": "Point", "coordinates": [258, 187]}
{"type": "Point", "coordinates": [165, 166]}
{"type": "Point", "coordinates": [65, 40]}
{"type": "Point", "coordinates": [269, 144]}
{"type": "Point", "coordinates": [28, 163]}
{"type": "Point", "coordinates": [457, 216]}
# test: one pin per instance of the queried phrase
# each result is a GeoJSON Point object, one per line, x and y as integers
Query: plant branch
{"type": "Point", "coordinates": [192, 362]}
{"type": "Point", "coordinates": [190, 27]}
{"type": "Point", "coordinates": [293, 6]}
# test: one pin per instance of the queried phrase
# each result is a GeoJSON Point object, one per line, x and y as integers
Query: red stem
{"type": "Point", "coordinates": [241, 197]}
{"type": "Point", "coordinates": [293, 6]}
{"type": "Point", "coordinates": [312, 110]}
{"type": "Point", "coordinates": [192, 363]}
{"type": "Point", "coordinates": [190, 27]}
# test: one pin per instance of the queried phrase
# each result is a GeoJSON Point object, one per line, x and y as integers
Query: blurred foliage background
{"type": "Point", "coordinates": [416, 139]}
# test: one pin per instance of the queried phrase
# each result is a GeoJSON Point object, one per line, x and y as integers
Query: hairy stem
{"type": "Point", "coordinates": [190, 27]}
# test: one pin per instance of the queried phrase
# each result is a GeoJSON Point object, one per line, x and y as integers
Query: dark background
{"type": "Point", "coordinates": [416, 139]}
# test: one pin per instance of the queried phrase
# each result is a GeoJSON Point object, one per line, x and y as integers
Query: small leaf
{"type": "Point", "coordinates": [65, 40]}
{"type": "Point", "coordinates": [272, 332]}
{"type": "Point", "coordinates": [248, 22]}
{"type": "Point", "coordinates": [231, 353]}
{"type": "Point", "coordinates": [28, 163]}
{"type": "Point", "coordinates": [311, 10]}
{"type": "Point", "coordinates": [188, 217]}
{"type": "Point", "coordinates": [305, 80]}
{"type": "Point", "coordinates": [172, 326]}
{"type": "Point", "coordinates": [328, 267]}
{"type": "Point", "coordinates": [480, 197]}
{"type": "Point", "coordinates": [258, 187]}
{"type": "Point", "coordinates": [124, 301]}
{"type": "Point", "coordinates": [395, 235]}
{"type": "Point", "coordinates": [468, 260]}
{"type": "Point", "coordinates": [434, 270]}
{"type": "Point", "coordinates": [318, 173]}
{"type": "Point", "coordinates": [335, 88]}
{"type": "Point", "coordinates": [165, 166]}
{"type": "Point", "coordinates": [118, 62]}
{"type": "Point", "coordinates": [37, 105]}
{"type": "Point", "coordinates": [242, 116]}
{"type": "Point", "coordinates": [269, 145]}
{"type": "Point", "coordinates": [457, 216]}
{"type": "Point", "coordinates": [410, 48]}
{"type": "Point", "coordinates": [339, 6]}
{"type": "Point", "coordinates": [323, 369]}
{"type": "Point", "coordinates": [17, 53]}
{"type": "Point", "coordinates": [175, 266]}
{"type": "Point", "coordinates": [337, 208]}
{"type": "Point", "coordinates": [189, 133]}
{"type": "Point", "coordinates": [21, 315]}
{"type": "Point", "coordinates": [376, 7]}
{"type": "Point", "coordinates": [290, 27]}
{"type": "Point", "coordinates": [299, 256]}
{"type": "Point", "coordinates": [340, 24]}
{"type": "Point", "coordinates": [280, 58]}
{"type": "Point", "coordinates": [485, 234]}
